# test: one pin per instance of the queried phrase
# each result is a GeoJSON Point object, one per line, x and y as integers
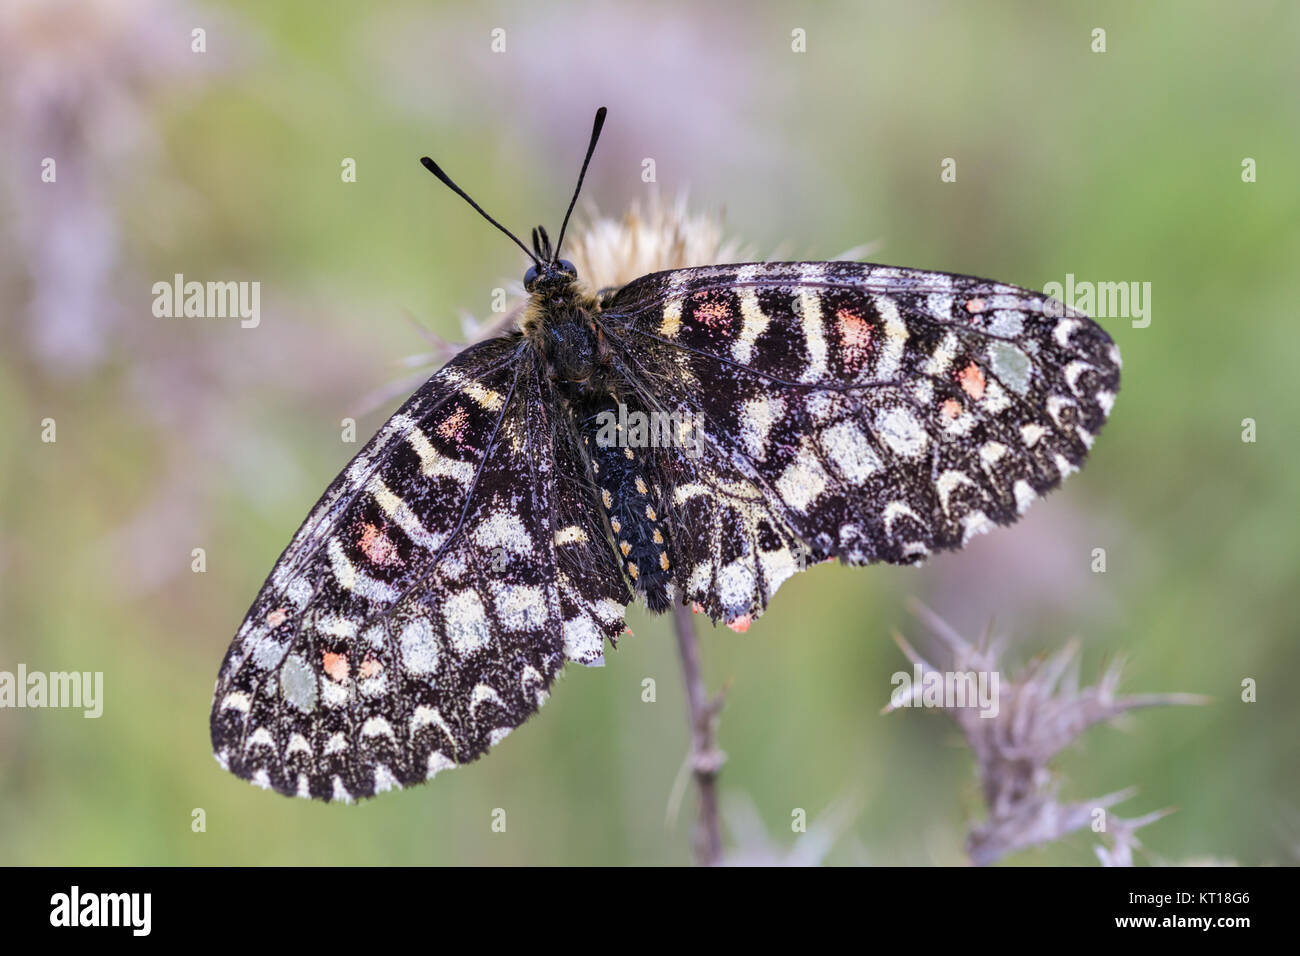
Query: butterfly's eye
{"type": "Point", "coordinates": [567, 267]}
{"type": "Point", "coordinates": [530, 278]}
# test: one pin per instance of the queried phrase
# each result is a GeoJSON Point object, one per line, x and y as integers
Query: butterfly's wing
{"type": "Point", "coordinates": [855, 411]}
{"type": "Point", "coordinates": [425, 606]}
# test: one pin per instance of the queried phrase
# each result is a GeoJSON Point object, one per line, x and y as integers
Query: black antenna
{"type": "Point", "coordinates": [591, 148]}
{"type": "Point", "coordinates": [434, 168]}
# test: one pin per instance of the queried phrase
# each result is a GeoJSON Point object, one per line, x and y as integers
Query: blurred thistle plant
{"type": "Point", "coordinates": [754, 847]}
{"type": "Point", "coordinates": [1041, 711]}
{"type": "Point", "coordinates": [76, 81]}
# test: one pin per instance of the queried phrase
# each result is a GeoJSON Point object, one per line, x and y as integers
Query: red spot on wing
{"type": "Point", "coordinates": [855, 338]}
{"type": "Point", "coordinates": [741, 624]}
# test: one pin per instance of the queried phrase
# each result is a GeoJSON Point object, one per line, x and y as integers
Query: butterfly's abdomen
{"type": "Point", "coordinates": [630, 496]}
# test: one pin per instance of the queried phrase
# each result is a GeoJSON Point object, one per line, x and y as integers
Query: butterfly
{"type": "Point", "coordinates": [696, 435]}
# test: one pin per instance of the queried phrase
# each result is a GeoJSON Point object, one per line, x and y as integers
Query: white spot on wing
{"type": "Point", "coordinates": [237, 700]}
{"type": "Point", "coordinates": [1064, 329]}
{"type": "Point", "coordinates": [672, 320]}
{"type": "Point", "coordinates": [401, 515]}
{"type": "Point", "coordinates": [941, 360]}
{"type": "Point", "coordinates": [949, 482]}
{"type": "Point", "coordinates": [378, 727]}
{"type": "Point", "coordinates": [438, 762]}
{"type": "Point", "coordinates": [977, 522]}
{"type": "Point", "coordinates": [504, 530]}
{"type": "Point", "coordinates": [583, 642]}
{"type": "Point", "coordinates": [466, 622]}
{"type": "Point", "coordinates": [753, 322]}
{"type": "Point", "coordinates": [358, 582]}
{"type": "Point", "coordinates": [571, 534]}
{"type": "Point", "coordinates": [1056, 405]}
{"type": "Point", "coordinates": [1025, 496]}
{"type": "Point", "coordinates": [803, 480]}
{"type": "Point", "coordinates": [1072, 373]}
{"type": "Point", "coordinates": [521, 607]}
{"type": "Point", "coordinates": [484, 694]}
{"type": "Point", "coordinates": [482, 396]}
{"type": "Point", "coordinates": [991, 452]}
{"type": "Point", "coordinates": [736, 585]}
{"type": "Point", "coordinates": [384, 780]}
{"type": "Point", "coordinates": [891, 354]}
{"type": "Point", "coordinates": [1030, 434]}
{"type": "Point", "coordinates": [434, 464]}
{"type": "Point", "coordinates": [1007, 322]}
{"type": "Point", "coordinates": [688, 491]}
{"type": "Point", "coordinates": [809, 310]}
{"type": "Point", "coordinates": [756, 419]}
{"type": "Point", "coordinates": [340, 791]}
{"type": "Point", "coordinates": [426, 716]}
{"type": "Point", "coordinates": [419, 646]}
{"type": "Point", "coordinates": [899, 509]}
{"type": "Point", "coordinates": [850, 451]}
{"type": "Point", "coordinates": [900, 430]}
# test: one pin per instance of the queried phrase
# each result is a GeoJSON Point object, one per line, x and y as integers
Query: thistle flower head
{"type": "Point", "coordinates": [650, 237]}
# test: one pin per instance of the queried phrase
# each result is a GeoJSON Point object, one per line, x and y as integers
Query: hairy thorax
{"type": "Point", "coordinates": [560, 324]}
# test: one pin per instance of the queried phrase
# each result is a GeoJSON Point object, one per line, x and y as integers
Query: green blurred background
{"type": "Point", "coordinates": [177, 434]}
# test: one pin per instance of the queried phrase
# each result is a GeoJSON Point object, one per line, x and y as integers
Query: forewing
{"type": "Point", "coordinates": [424, 608]}
{"type": "Point", "coordinates": [863, 412]}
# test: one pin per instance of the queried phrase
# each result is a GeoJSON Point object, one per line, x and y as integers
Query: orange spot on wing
{"type": "Point", "coordinates": [855, 337]}
{"type": "Point", "coordinates": [951, 408]}
{"type": "Point", "coordinates": [371, 667]}
{"type": "Point", "coordinates": [712, 313]}
{"type": "Point", "coordinates": [378, 548]}
{"type": "Point", "coordinates": [336, 665]}
{"type": "Point", "coordinates": [972, 381]}
{"type": "Point", "coordinates": [453, 429]}
{"type": "Point", "coordinates": [741, 624]}
{"type": "Point", "coordinates": [974, 305]}
{"type": "Point", "coordinates": [277, 617]}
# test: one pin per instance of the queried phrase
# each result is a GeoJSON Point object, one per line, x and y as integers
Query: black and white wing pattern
{"type": "Point", "coordinates": [424, 608]}
{"type": "Point", "coordinates": [853, 411]}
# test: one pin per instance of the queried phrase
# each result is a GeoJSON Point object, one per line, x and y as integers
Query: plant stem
{"type": "Point", "coordinates": [706, 761]}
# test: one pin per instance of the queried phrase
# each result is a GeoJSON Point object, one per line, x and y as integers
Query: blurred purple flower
{"type": "Point", "coordinates": [74, 77]}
